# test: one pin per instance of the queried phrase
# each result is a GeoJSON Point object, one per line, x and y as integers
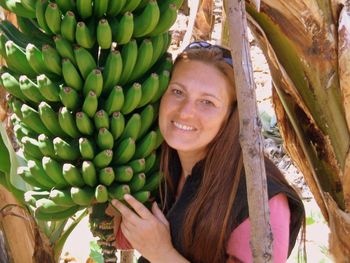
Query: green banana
{"type": "Point", "coordinates": [100, 8]}
{"type": "Point", "coordinates": [17, 8]}
{"type": "Point", "coordinates": [138, 165]}
{"type": "Point", "coordinates": [123, 174]}
{"type": "Point", "coordinates": [67, 122]}
{"type": "Point", "coordinates": [29, 5]}
{"type": "Point", "coordinates": [35, 59]}
{"type": "Point", "coordinates": [158, 46]}
{"type": "Point", "coordinates": [20, 131]}
{"type": "Point", "coordinates": [46, 146]}
{"type": "Point", "coordinates": [101, 120]}
{"type": "Point", "coordinates": [82, 196]}
{"type": "Point", "coordinates": [142, 5]}
{"type": "Point", "coordinates": [30, 89]}
{"type": "Point", "coordinates": [36, 169]}
{"type": "Point", "coordinates": [61, 197]}
{"type": "Point", "coordinates": [166, 20]}
{"type": "Point", "coordinates": [11, 85]}
{"type": "Point", "coordinates": [68, 26]}
{"type": "Point", "coordinates": [146, 145]}
{"type": "Point", "coordinates": [142, 196]}
{"type": "Point", "coordinates": [132, 98]}
{"type": "Point", "coordinates": [112, 71]}
{"type": "Point", "coordinates": [147, 20]}
{"type": "Point", "coordinates": [117, 124]}
{"type": "Point", "coordinates": [65, 5]}
{"type": "Point", "coordinates": [159, 139]}
{"type": "Point", "coordinates": [115, 100]}
{"type": "Point", "coordinates": [64, 48]}
{"type": "Point", "coordinates": [106, 176]}
{"type": "Point", "coordinates": [103, 158]}
{"type": "Point", "coordinates": [32, 196]}
{"type": "Point", "coordinates": [31, 147]}
{"type": "Point", "coordinates": [72, 175]}
{"type": "Point", "coordinates": [93, 82]}
{"type": "Point", "coordinates": [101, 191]}
{"type": "Point", "coordinates": [12, 33]}
{"type": "Point", "coordinates": [124, 151]}
{"type": "Point", "coordinates": [164, 79]}
{"type": "Point", "coordinates": [48, 89]}
{"type": "Point", "coordinates": [90, 104]}
{"type": "Point", "coordinates": [30, 28]}
{"type": "Point", "coordinates": [115, 7]}
{"type": "Point", "coordinates": [88, 172]}
{"type": "Point", "coordinates": [132, 127]}
{"type": "Point", "coordinates": [86, 62]}
{"type": "Point", "coordinates": [83, 36]}
{"type": "Point", "coordinates": [86, 148]}
{"type": "Point", "coordinates": [64, 150]}
{"type": "Point", "coordinates": [84, 124]}
{"type": "Point", "coordinates": [71, 75]}
{"type": "Point", "coordinates": [124, 29]}
{"type": "Point", "coordinates": [50, 119]}
{"type": "Point", "coordinates": [84, 8]}
{"type": "Point", "coordinates": [53, 18]}
{"type": "Point", "coordinates": [130, 5]}
{"type": "Point", "coordinates": [52, 59]}
{"type": "Point", "coordinates": [48, 206]}
{"type": "Point", "coordinates": [16, 59]}
{"type": "Point", "coordinates": [144, 59]}
{"type": "Point", "coordinates": [61, 215]}
{"type": "Point", "coordinates": [104, 34]}
{"type": "Point", "coordinates": [105, 139]}
{"type": "Point", "coordinates": [149, 89]}
{"type": "Point", "coordinates": [31, 118]}
{"type": "Point", "coordinates": [117, 191]}
{"type": "Point", "coordinates": [129, 57]}
{"type": "Point", "coordinates": [29, 178]}
{"type": "Point", "coordinates": [156, 165]}
{"type": "Point", "coordinates": [165, 4]}
{"type": "Point", "coordinates": [53, 169]}
{"type": "Point", "coordinates": [70, 98]}
{"type": "Point", "coordinates": [15, 105]}
{"type": "Point", "coordinates": [165, 63]}
{"type": "Point", "coordinates": [147, 117]}
{"type": "Point", "coordinates": [40, 8]}
{"type": "Point", "coordinates": [137, 182]}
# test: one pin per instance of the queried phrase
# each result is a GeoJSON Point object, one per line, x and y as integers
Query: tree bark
{"type": "Point", "coordinates": [250, 133]}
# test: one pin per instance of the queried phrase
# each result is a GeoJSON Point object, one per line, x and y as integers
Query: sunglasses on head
{"type": "Point", "coordinates": [226, 54]}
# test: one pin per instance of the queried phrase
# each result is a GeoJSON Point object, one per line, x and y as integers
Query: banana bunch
{"type": "Point", "coordinates": [86, 77]}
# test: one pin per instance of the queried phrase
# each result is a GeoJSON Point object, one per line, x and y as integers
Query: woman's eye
{"type": "Point", "coordinates": [177, 92]}
{"type": "Point", "coordinates": [207, 102]}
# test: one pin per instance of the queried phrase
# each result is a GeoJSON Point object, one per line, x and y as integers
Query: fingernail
{"type": "Point", "coordinates": [114, 202]}
{"type": "Point", "coordinates": [127, 196]}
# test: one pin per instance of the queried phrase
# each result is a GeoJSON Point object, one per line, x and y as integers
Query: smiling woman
{"type": "Point", "coordinates": [204, 216]}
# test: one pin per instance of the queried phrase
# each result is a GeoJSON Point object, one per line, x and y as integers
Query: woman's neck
{"type": "Point", "coordinates": [188, 160]}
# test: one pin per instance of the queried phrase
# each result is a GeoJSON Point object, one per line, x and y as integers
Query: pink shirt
{"type": "Point", "coordinates": [238, 244]}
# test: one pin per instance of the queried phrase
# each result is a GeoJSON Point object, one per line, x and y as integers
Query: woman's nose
{"type": "Point", "coordinates": [187, 109]}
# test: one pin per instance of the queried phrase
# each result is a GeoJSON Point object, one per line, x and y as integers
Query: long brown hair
{"type": "Point", "coordinates": [209, 218]}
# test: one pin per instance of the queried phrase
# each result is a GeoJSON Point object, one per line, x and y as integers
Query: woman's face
{"type": "Point", "coordinates": [194, 106]}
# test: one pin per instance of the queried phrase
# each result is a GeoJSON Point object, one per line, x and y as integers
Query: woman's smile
{"type": "Point", "coordinates": [183, 127]}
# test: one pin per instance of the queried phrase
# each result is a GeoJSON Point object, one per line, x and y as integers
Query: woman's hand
{"type": "Point", "coordinates": [148, 232]}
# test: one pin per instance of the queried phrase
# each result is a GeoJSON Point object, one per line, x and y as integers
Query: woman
{"type": "Point", "coordinates": [204, 194]}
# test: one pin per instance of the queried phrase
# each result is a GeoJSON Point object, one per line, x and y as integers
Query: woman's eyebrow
{"type": "Point", "coordinates": [206, 94]}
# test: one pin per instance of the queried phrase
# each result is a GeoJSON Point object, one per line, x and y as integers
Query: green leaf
{"type": "Point", "coordinates": [96, 252]}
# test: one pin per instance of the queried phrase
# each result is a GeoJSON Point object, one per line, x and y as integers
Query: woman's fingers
{"type": "Point", "coordinates": [127, 213]}
{"type": "Point", "coordinates": [139, 208]}
{"type": "Point", "coordinates": [159, 214]}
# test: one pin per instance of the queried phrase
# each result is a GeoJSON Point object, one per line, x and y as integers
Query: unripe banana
{"type": "Point", "coordinates": [130, 5]}
{"type": "Point", "coordinates": [46, 146]}
{"type": "Point", "coordinates": [29, 178]}
{"type": "Point", "coordinates": [66, 5]}
{"type": "Point", "coordinates": [138, 165]}
{"type": "Point", "coordinates": [115, 7]}
{"type": "Point", "coordinates": [82, 196]}
{"type": "Point", "coordinates": [144, 59]}
{"type": "Point", "coordinates": [100, 8]}
{"type": "Point", "coordinates": [30, 89]}
{"type": "Point", "coordinates": [123, 174]}
{"type": "Point", "coordinates": [20, 131]}
{"type": "Point", "coordinates": [83, 36]}
{"type": "Point", "coordinates": [142, 196]}
{"type": "Point", "coordinates": [165, 4]}
{"type": "Point", "coordinates": [18, 9]}
{"type": "Point", "coordinates": [52, 59]}
{"type": "Point", "coordinates": [31, 147]}
{"type": "Point", "coordinates": [88, 172]}
{"type": "Point", "coordinates": [29, 4]}
{"type": "Point", "coordinates": [70, 98]}
{"type": "Point", "coordinates": [53, 169]}
{"type": "Point", "coordinates": [101, 191]}
{"type": "Point", "coordinates": [146, 145]}
{"type": "Point", "coordinates": [61, 197]}
{"type": "Point", "coordinates": [147, 116]}
{"type": "Point", "coordinates": [164, 79]}
{"type": "Point", "coordinates": [158, 46]}
{"type": "Point", "coordinates": [48, 206]}
{"type": "Point", "coordinates": [117, 124]}
{"type": "Point", "coordinates": [84, 124]}
{"type": "Point", "coordinates": [84, 8]}
{"type": "Point", "coordinates": [67, 122]}
{"type": "Point", "coordinates": [166, 20]}
{"type": "Point", "coordinates": [105, 139]}
{"type": "Point", "coordinates": [48, 89]}
{"type": "Point", "coordinates": [50, 119]}
{"type": "Point", "coordinates": [64, 214]}
{"type": "Point", "coordinates": [72, 175]}
{"type": "Point", "coordinates": [86, 62]}
{"type": "Point", "coordinates": [165, 63]}
{"type": "Point", "coordinates": [86, 148]}
{"type": "Point", "coordinates": [15, 105]}
{"type": "Point", "coordinates": [101, 120]}
{"type": "Point", "coordinates": [132, 98]}
{"type": "Point", "coordinates": [68, 26]}
{"type": "Point", "coordinates": [90, 104]}
{"type": "Point", "coordinates": [64, 150]}
{"type": "Point", "coordinates": [53, 18]}
{"type": "Point", "coordinates": [159, 139]}
{"type": "Point", "coordinates": [64, 48]}
{"type": "Point", "coordinates": [71, 75]}
{"type": "Point", "coordinates": [137, 182]}
{"type": "Point", "coordinates": [40, 9]}
{"type": "Point", "coordinates": [124, 151]}
{"type": "Point", "coordinates": [132, 127]}
{"type": "Point", "coordinates": [35, 59]}
{"type": "Point", "coordinates": [39, 174]}
{"type": "Point", "coordinates": [112, 71]}
{"type": "Point", "coordinates": [149, 89]}
{"type": "Point", "coordinates": [115, 100]}
{"type": "Point", "coordinates": [16, 59]}
{"type": "Point", "coordinates": [129, 57]}
{"type": "Point", "coordinates": [147, 20]}
{"type": "Point", "coordinates": [31, 118]}
{"type": "Point", "coordinates": [104, 34]}
{"type": "Point", "coordinates": [11, 85]}
{"type": "Point", "coordinates": [93, 82]}
{"type": "Point", "coordinates": [32, 196]}
{"type": "Point", "coordinates": [106, 176]}
{"type": "Point", "coordinates": [124, 29]}
{"type": "Point", "coordinates": [103, 159]}
{"type": "Point", "coordinates": [117, 191]}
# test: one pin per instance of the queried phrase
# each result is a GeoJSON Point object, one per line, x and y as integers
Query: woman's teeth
{"type": "Point", "coordinates": [183, 127]}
